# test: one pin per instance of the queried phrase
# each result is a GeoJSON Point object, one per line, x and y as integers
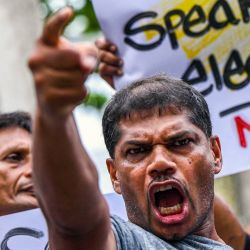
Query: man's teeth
{"type": "Point", "coordinates": [164, 188]}
{"type": "Point", "coordinates": [170, 210]}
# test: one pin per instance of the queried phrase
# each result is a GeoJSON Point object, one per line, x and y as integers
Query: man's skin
{"type": "Point", "coordinates": [16, 186]}
{"type": "Point", "coordinates": [227, 225]}
{"type": "Point", "coordinates": [110, 64]}
{"type": "Point", "coordinates": [66, 179]}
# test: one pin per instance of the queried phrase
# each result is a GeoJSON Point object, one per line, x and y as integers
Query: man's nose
{"type": "Point", "coordinates": [28, 169]}
{"type": "Point", "coordinates": [162, 163]}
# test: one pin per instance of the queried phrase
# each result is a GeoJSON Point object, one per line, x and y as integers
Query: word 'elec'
{"type": "Point", "coordinates": [196, 73]}
{"type": "Point", "coordinates": [190, 21]}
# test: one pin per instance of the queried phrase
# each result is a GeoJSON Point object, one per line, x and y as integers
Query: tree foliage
{"type": "Point", "coordinates": [85, 9]}
{"type": "Point", "coordinates": [96, 100]}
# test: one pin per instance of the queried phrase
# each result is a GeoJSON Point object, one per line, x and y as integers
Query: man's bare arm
{"type": "Point", "coordinates": [65, 177]}
{"type": "Point", "coordinates": [227, 225]}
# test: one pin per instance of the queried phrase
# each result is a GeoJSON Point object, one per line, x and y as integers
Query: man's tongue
{"type": "Point", "coordinates": [169, 198]}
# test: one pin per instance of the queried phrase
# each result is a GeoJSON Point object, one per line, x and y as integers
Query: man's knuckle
{"type": "Point", "coordinates": [102, 55]}
{"type": "Point", "coordinates": [70, 56]}
{"type": "Point", "coordinates": [39, 79]}
{"type": "Point", "coordinates": [33, 60]}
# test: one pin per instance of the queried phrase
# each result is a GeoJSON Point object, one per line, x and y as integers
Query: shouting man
{"type": "Point", "coordinates": [163, 157]}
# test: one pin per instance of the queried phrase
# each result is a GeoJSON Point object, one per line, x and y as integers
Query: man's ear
{"type": "Point", "coordinates": [113, 175]}
{"type": "Point", "coordinates": [216, 151]}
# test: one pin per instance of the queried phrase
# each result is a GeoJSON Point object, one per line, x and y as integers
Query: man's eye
{"type": "Point", "coordinates": [135, 151]}
{"type": "Point", "coordinates": [182, 142]}
{"type": "Point", "coordinates": [14, 157]}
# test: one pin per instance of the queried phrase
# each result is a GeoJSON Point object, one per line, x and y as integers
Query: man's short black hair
{"type": "Point", "coordinates": [17, 119]}
{"type": "Point", "coordinates": [158, 92]}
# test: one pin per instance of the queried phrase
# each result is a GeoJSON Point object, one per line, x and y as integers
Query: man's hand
{"type": "Point", "coordinates": [110, 63]}
{"type": "Point", "coordinates": [60, 68]}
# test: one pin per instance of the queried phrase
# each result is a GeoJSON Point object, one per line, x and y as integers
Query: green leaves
{"type": "Point", "coordinates": [95, 100]}
{"type": "Point", "coordinates": [82, 8]}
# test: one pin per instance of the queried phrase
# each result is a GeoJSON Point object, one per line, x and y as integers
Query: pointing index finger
{"type": "Point", "coordinates": [55, 25]}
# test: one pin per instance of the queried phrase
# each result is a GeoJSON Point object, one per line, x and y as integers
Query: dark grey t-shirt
{"type": "Point", "coordinates": [132, 237]}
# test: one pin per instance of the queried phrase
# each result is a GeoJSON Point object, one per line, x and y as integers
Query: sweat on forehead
{"type": "Point", "coordinates": [157, 93]}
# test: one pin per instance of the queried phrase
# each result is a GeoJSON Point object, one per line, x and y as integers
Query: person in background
{"type": "Point", "coordinates": [16, 186]}
{"type": "Point", "coordinates": [227, 224]}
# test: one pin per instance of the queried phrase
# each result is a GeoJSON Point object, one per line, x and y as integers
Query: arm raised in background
{"type": "Point", "coordinates": [66, 179]}
{"type": "Point", "coordinates": [110, 63]}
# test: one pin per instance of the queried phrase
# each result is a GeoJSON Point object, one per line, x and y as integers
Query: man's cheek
{"type": "Point", "coordinates": [201, 173]}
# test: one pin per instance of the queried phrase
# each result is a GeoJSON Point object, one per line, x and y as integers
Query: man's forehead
{"type": "Point", "coordinates": [14, 131]}
{"type": "Point", "coordinates": [14, 137]}
{"type": "Point", "coordinates": [156, 111]}
{"type": "Point", "coordinates": [169, 124]}
{"type": "Point", "coordinates": [138, 116]}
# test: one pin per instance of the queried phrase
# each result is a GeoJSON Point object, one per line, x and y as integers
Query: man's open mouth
{"type": "Point", "coordinates": [27, 189]}
{"type": "Point", "coordinates": [168, 200]}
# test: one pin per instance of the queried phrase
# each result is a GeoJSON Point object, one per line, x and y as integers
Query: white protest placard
{"type": "Point", "coordinates": [28, 230]}
{"type": "Point", "coordinates": [23, 231]}
{"type": "Point", "coordinates": [206, 43]}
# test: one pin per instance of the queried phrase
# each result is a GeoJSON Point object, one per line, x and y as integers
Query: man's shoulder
{"type": "Point", "coordinates": [199, 242]}
{"type": "Point", "coordinates": [130, 236]}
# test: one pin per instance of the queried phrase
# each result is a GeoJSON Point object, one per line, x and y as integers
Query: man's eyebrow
{"type": "Point", "coordinates": [136, 142]}
{"type": "Point", "coordinates": [22, 147]}
{"type": "Point", "coordinates": [179, 135]}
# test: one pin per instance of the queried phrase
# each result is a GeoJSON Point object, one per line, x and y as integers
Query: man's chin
{"type": "Point", "coordinates": [17, 209]}
{"type": "Point", "coordinates": [175, 237]}
{"type": "Point", "coordinates": [173, 232]}
{"type": "Point", "coordinates": [27, 203]}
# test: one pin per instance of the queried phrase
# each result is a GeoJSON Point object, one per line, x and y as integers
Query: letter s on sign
{"type": "Point", "coordinates": [129, 31]}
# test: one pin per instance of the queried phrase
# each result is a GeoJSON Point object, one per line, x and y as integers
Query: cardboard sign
{"type": "Point", "coordinates": [23, 231]}
{"type": "Point", "coordinates": [206, 43]}
{"type": "Point", "coordinates": [28, 230]}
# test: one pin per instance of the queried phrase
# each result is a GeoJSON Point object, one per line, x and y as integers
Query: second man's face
{"type": "Point", "coordinates": [16, 187]}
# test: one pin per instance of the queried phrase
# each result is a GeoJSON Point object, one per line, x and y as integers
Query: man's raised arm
{"type": "Point", "coordinates": [65, 177]}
